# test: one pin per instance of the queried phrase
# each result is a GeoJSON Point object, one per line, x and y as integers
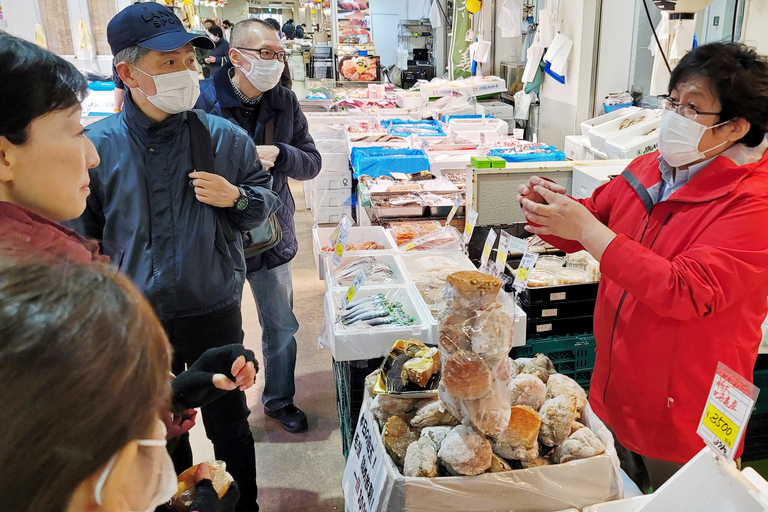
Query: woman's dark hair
{"type": "Point", "coordinates": [34, 82]}
{"type": "Point", "coordinates": [226, 23]}
{"type": "Point", "coordinates": [216, 31]}
{"type": "Point", "coordinates": [272, 22]}
{"type": "Point", "coordinates": [84, 366]}
{"type": "Point", "coordinates": [739, 79]}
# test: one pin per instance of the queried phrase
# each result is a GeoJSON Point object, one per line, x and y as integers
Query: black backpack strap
{"type": "Point", "coordinates": [202, 160]}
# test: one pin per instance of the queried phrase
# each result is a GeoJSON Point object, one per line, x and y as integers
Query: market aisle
{"type": "Point", "coordinates": [296, 472]}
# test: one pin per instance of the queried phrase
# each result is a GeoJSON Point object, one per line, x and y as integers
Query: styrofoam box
{"type": "Point", "coordinates": [599, 134]}
{"type": "Point", "coordinates": [597, 121]}
{"type": "Point", "coordinates": [587, 178]}
{"type": "Point", "coordinates": [357, 235]}
{"type": "Point", "coordinates": [392, 144]}
{"type": "Point", "coordinates": [327, 118]}
{"type": "Point", "coordinates": [307, 195]}
{"type": "Point", "coordinates": [707, 483]}
{"type": "Point", "coordinates": [399, 274]}
{"type": "Point", "coordinates": [328, 131]}
{"type": "Point", "coordinates": [330, 146]}
{"type": "Point", "coordinates": [350, 344]}
{"type": "Point", "coordinates": [491, 128]}
{"type": "Point", "coordinates": [633, 142]}
{"type": "Point", "coordinates": [575, 147]}
{"type": "Point", "coordinates": [332, 180]}
{"type": "Point", "coordinates": [405, 99]}
{"type": "Point", "coordinates": [591, 153]}
{"type": "Point", "coordinates": [627, 505]}
{"type": "Point", "coordinates": [332, 198]}
{"type": "Point", "coordinates": [448, 162]}
{"type": "Point", "coordinates": [495, 109]}
{"type": "Point", "coordinates": [395, 113]}
{"type": "Point", "coordinates": [335, 161]}
{"type": "Point", "coordinates": [331, 215]}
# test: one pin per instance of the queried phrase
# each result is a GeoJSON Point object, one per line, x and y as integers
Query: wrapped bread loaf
{"type": "Point", "coordinates": [559, 384]}
{"type": "Point", "coordinates": [398, 435]}
{"type": "Point", "coordinates": [420, 459]}
{"type": "Point", "coordinates": [557, 417]}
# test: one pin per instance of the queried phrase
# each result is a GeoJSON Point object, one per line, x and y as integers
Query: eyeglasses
{"type": "Point", "coordinates": [267, 54]}
{"type": "Point", "coordinates": [688, 111]}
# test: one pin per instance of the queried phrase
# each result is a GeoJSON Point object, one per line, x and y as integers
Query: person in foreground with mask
{"type": "Point", "coordinates": [174, 230]}
{"type": "Point", "coordinates": [247, 92]}
{"type": "Point", "coordinates": [682, 240]}
{"type": "Point", "coordinates": [78, 448]}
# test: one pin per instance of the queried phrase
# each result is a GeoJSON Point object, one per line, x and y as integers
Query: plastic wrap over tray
{"type": "Point", "coordinates": [377, 161]}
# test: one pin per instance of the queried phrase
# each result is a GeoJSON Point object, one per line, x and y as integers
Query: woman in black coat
{"type": "Point", "coordinates": [218, 56]}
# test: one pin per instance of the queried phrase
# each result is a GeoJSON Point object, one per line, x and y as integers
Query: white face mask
{"type": "Point", "coordinates": [679, 139]}
{"type": "Point", "coordinates": [165, 486]}
{"type": "Point", "coordinates": [176, 92]}
{"type": "Point", "coordinates": [264, 74]}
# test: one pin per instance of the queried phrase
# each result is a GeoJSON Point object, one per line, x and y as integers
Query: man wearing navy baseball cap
{"type": "Point", "coordinates": [176, 231]}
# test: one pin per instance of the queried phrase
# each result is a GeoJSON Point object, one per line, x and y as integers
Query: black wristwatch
{"type": "Point", "coordinates": [241, 203]}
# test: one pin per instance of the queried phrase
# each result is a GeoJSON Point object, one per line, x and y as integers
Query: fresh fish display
{"type": "Point", "coordinates": [375, 271]}
{"type": "Point", "coordinates": [375, 310]}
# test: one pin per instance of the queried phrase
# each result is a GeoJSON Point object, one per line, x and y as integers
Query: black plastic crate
{"type": "Point", "coordinates": [350, 392]}
{"type": "Point", "coordinates": [756, 438]}
{"type": "Point", "coordinates": [559, 294]}
{"type": "Point", "coordinates": [760, 378]}
{"type": "Point", "coordinates": [570, 309]}
{"type": "Point", "coordinates": [547, 327]}
{"type": "Point", "coordinates": [480, 233]}
{"type": "Point", "coordinates": [573, 356]}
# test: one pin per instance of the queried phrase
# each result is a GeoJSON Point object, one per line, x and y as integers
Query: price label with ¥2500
{"type": "Point", "coordinates": [524, 270]}
{"type": "Point", "coordinates": [469, 224]}
{"type": "Point", "coordinates": [729, 407]}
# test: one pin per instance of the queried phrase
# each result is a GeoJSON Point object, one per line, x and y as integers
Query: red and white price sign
{"type": "Point", "coordinates": [729, 406]}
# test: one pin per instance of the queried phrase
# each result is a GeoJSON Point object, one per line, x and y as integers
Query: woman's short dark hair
{"type": "Point", "coordinates": [272, 23]}
{"type": "Point", "coordinates": [739, 79]}
{"type": "Point", "coordinates": [216, 31]}
{"type": "Point", "coordinates": [84, 367]}
{"type": "Point", "coordinates": [34, 82]}
{"type": "Point", "coordinates": [226, 23]}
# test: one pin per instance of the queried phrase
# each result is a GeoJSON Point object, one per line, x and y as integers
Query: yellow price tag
{"type": "Point", "coordinates": [720, 425]}
{"type": "Point", "coordinates": [339, 249]}
{"type": "Point", "coordinates": [409, 246]}
{"type": "Point", "coordinates": [350, 293]}
{"type": "Point", "coordinates": [468, 229]}
{"type": "Point", "coordinates": [522, 274]}
{"type": "Point", "coordinates": [486, 252]}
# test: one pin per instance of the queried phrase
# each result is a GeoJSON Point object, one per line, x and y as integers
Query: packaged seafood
{"type": "Point", "coordinates": [440, 205]}
{"type": "Point", "coordinates": [411, 369]}
{"type": "Point", "coordinates": [362, 241]}
{"type": "Point", "coordinates": [541, 278]}
{"type": "Point", "coordinates": [380, 269]}
{"type": "Point", "coordinates": [570, 276]}
{"type": "Point", "coordinates": [397, 205]}
{"type": "Point", "coordinates": [373, 311]}
{"type": "Point", "coordinates": [445, 239]}
{"type": "Point", "coordinates": [404, 232]}
{"type": "Point", "coordinates": [429, 273]}
{"type": "Point", "coordinates": [551, 263]}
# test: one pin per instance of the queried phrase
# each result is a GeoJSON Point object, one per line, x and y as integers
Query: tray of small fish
{"type": "Point", "coordinates": [362, 241]}
{"type": "Point", "coordinates": [375, 317]}
{"type": "Point", "coordinates": [380, 270]}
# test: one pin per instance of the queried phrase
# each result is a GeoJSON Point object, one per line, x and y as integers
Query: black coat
{"type": "Point", "coordinates": [289, 30]}
{"type": "Point", "coordinates": [299, 159]}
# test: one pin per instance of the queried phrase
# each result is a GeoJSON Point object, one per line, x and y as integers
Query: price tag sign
{"type": "Point", "coordinates": [524, 271]}
{"type": "Point", "coordinates": [365, 476]}
{"type": "Point", "coordinates": [469, 225]}
{"type": "Point", "coordinates": [357, 283]}
{"type": "Point", "coordinates": [501, 256]}
{"type": "Point", "coordinates": [399, 176]}
{"type": "Point", "coordinates": [517, 245]}
{"type": "Point", "coordinates": [729, 407]}
{"type": "Point", "coordinates": [489, 241]}
{"type": "Point", "coordinates": [341, 243]}
{"type": "Point", "coordinates": [456, 205]}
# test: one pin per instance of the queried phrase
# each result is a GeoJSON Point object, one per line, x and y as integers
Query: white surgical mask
{"type": "Point", "coordinates": [176, 92]}
{"type": "Point", "coordinates": [165, 484]}
{"type": "Point", "coordinates": [264, 74]}
{"type": "Point", "coordinates": [679, 139]}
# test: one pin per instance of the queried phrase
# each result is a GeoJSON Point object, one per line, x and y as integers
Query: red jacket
{"type": "Point", "coordinates": [685, 285]}
{"type": "Point", "coordinates": [26, 234]}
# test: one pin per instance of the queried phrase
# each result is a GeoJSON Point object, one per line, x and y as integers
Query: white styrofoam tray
{"type": "Point", "coordinates": [597, 121]}
{"type": "Point", "coordinates": [407, 100]}
{"type": "Point", "coordinates": [355, 343]}
{"type": "Point", "coordinates": [357, 235]}
{"type": "Point", "coordinates": [626, 505]}
{"type": "Point", "coordinates": [338, 161]}
{"type": "Point", "coordinates": [574, 148]}
{"type": "Point", "coordinates": [327, 117]}
{"type": "Point", "coordinates": [395, 113]}
{"type": "Point", "coordinates": [328, 131]}
{"type": "Point", "coordinates": [599, 134]}
{"type": "Point", "coordinates": [587, 178]}
{"type": "Point", "coordinates": [633, 142]}
{"type": "Point", "coordinates": [399, 274]}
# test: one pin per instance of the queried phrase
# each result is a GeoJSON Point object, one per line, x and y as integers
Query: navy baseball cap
{"type": "Point", "coordinates": [153, 26]}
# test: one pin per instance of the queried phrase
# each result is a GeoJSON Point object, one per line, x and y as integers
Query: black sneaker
{"type": "Point", "coordinates": [291, 418]}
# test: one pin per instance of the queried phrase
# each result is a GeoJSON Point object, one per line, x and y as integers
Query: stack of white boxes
{"type": "Point", "coordinates": [329, 194]}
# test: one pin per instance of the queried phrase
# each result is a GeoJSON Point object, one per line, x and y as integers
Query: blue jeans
{"type": "Point", "coordinates": [273, 292]}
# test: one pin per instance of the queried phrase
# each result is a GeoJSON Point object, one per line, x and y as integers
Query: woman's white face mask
{"type": "Point", "coordinates": [679, 139]}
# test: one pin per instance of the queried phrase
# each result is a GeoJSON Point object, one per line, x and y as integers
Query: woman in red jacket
{"type": "Point", "coordinates": [682, 240]}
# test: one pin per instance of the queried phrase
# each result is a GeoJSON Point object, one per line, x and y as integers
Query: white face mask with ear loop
{"type": "Point", "coordinates": [176, 92]}
{"type": "Point", "coordinates": [167, 483]}
{"type": "Point", "coordinates": [679, 139]}
{"type": "Point", "coordinates": [264, 74]}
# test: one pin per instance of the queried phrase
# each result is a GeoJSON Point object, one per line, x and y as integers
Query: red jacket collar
{"type": "Point", "coordinates": [717, 179]}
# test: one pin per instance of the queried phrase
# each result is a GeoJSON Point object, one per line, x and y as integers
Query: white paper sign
{"type": "Point", "coordinates": [341, 244]}
{"type": "Point", "coordinates": [469, 225]}
{"type": "Point", "coordinates": [517, 245]}
{"type": "Point", "coordinates": [364, 475]}
{"type": "Point", "coordinates": [456, 205]}
{"type": "Point", "coordinates": [357, 283]}
{"type": "Point", "coordinates": [399, 176]}
{"type": "Point", "coordinates": [489, 241]}
{"type": "Point", "coordinates": [501, 256]}
{"type": "Point", "coordinates": [524, 271]}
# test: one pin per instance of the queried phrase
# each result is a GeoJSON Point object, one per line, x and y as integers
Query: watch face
{"type": "Point", "coordinates": [241, 203]}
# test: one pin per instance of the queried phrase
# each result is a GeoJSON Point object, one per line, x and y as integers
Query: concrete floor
{"type": "Point", "coordinates": [296, 472]}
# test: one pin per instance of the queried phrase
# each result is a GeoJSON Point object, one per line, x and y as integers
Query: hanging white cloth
{"type": "Point", "coordinates": [434, 15]}
{"type": "Point", "coordinates": [510, 18]}
{"type": "Point", "coordinates": [534, 54]}
{"type": "Point", "coordinates": [547, 24]}
{"type": "Point", "coordinates": [557, 54]}
{"type": "Point", "coordinates": [676, 39]}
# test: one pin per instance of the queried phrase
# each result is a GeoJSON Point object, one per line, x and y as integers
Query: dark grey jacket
{"type": "Point", "coordinates": [299, 159]}
{"type": "Point", "coordinates": [143, 209]}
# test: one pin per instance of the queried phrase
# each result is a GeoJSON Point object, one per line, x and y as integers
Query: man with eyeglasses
{"type": "Point", "coordinates": [247, 92]}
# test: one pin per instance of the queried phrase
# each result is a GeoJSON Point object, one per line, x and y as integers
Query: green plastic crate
{"type": "Point", "coordinates": [573, 356]}
{"type": "Point", "coordinates": [350, 391]}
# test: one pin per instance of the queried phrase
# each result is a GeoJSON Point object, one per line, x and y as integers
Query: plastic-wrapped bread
{"type": "Point", "coordinates": [420, 459]}
{"type": "Point", "coordinates": [436, 435]}
{"type": "Point", "coordinates": [526, 389]}
{"type": "Point", "coordinates": [433, 414]}
{"type": "Point", "coordinates": [472, 290]}
{"type": "Point", "coordinates": [455, 331]}
{"type": "Point", "coordinates": [398, 435]}
{"type": "Point", "coordinates": [465, 452]}
{"type": "Point", "coordinates": [490, 414]}
{"type": "Point", "coordinates": [559, 384]}
{"type": "Point", "coordinates": [582, 444]}
{"type": "Point", "coordinates": [492, 334]}
{"type": "Point", "coordinates": [519, 440]}
{"type": "Point", "coordinates": [557, 416]}
{"type": "Point", "coordinates": [466, 376]}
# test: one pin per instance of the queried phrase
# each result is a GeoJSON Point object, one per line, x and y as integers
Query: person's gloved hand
{"type": "Point", "coordinates": [217, 371]}
{"type": "Point", "coordinates": [206, 498]}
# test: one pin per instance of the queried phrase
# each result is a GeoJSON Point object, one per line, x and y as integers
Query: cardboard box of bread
{"type": "Point", "coordinates": [500, 435]}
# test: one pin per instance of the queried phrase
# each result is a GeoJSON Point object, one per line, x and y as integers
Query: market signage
{"type": "Point", "coordinates": [729, 407]}
{"type": "Point", "coordinates": [365, 475]}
